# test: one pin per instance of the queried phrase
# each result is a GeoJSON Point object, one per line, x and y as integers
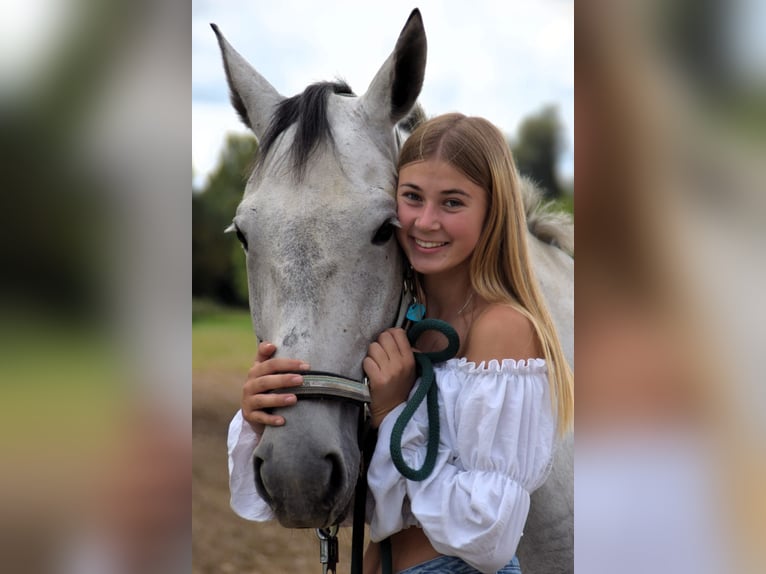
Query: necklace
{"type": "Point", "coordinates": [466, 303]}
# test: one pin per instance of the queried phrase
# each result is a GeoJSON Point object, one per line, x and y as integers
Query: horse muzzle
{"type": "Point", "coordinates": [307, 469]}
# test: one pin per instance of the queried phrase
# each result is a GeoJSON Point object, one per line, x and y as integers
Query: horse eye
{"type": "Point", "coordinates": [384, 233]}
{"type": "Point", "coordinates": [242, 238]}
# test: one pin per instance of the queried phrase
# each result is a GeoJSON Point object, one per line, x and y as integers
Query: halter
{"type": "Point", "coordinates": [318, 384]}
{"type": "Point", "coordinates": [321, 384]}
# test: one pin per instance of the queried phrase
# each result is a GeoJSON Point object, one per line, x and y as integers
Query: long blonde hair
{"type": "Point", "coordinates": [501, 271]}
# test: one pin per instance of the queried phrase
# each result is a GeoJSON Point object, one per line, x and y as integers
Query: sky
{"type": "Point", "coordinates": [501, 60]}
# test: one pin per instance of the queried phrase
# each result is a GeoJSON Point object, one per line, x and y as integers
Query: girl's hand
{"type": "Point", "coordinates": [263, 377]}
{"type": "Point", "coordinates": [390, 367]}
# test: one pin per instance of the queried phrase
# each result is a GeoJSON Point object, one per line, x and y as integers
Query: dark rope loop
{"type": "Point", "coordinates": [426, 389]}
{"type": "Point", "coordinates": [453, 341]}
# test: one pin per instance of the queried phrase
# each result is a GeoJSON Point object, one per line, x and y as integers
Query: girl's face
{"type": "Point", "coordinates": [442, 213]}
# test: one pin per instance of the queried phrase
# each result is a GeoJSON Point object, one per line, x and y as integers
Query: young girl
{"type": "Point", "coordinates": [501, 403]}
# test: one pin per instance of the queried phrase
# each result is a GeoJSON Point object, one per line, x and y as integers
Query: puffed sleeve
{"type": "Point", "coordinates": [496, 444]}
{"type": "Point", "coordinates": [245, 500]}
{"type": "Point", "coordinates": [386, 486]}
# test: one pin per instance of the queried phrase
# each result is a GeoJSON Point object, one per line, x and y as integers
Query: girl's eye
{"type": "Point", "coordinates": [410, 196]}
{"type": "Point", "coordinates": [453, 203]}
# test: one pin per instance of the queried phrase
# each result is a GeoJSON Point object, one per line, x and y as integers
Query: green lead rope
{"type": "Point", "coordinates": [426, 390]}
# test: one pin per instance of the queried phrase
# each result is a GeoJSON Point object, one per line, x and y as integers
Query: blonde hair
{"type": "Point", "coordinates": [501, 271]}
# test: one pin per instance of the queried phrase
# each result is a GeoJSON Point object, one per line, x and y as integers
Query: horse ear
{"type": "Point", "coordinates": [395, 88]}
{"type": "Point", "coordinates": [251, 94]}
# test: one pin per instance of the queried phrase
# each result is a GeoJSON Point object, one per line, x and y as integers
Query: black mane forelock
{"type": "Point", "coordinates": [309, 112]}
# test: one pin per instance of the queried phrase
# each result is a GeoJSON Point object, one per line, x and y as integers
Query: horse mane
{"type": "Point", "coordinates": [412, 120]}
{"type": "Point", "coordinates": [544, 221]}
{"type": "Point", "coordinates": [308, 111]}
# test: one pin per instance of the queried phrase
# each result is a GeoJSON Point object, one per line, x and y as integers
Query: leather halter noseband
{"type": "Point", "coordinates": [317, 384]}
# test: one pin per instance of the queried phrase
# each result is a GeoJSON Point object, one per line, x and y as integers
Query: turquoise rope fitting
{"type": "Point", "coordinates": [426, 390]}
{"type": "Point", "coordinates": [416, 312]}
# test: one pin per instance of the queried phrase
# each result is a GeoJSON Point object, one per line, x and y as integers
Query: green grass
{"type": "Point", "coordinates": [223, 340]}
{"type": "Point", "coordinates": [60, 384]}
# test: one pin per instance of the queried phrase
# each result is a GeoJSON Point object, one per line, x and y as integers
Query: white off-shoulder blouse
{"type": "Point", "coordinates": [496, 447]}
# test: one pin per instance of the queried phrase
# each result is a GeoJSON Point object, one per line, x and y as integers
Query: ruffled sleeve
{"type": "Point", "coordinates": [245, 500]}
{"type": "Point", "coordinates": [496, 444]}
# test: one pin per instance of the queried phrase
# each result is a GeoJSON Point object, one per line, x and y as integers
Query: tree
{"type": "Point", "coordinates": [537, 148]}
{"type": "Point", "coordinates": [217, 259]}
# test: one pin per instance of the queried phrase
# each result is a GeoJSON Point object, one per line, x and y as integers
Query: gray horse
{"type": "Point", "coordinates": [325, 277]}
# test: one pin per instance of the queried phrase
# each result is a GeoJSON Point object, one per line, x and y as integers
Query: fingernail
{"type": "Point", "coordinates": [296, 379]}
{"type": "Point", "coordinates": [290, 399]}
{"type": "Point", "coordinates": [304, 366]}
{"type": "Point", "coordinates": [280, 421]}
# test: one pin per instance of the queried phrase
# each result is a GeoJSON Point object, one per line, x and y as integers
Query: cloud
{"type": "Point", "coordinates": [212, 121]}
{"type": "Point", "coordinates": [503, 61]}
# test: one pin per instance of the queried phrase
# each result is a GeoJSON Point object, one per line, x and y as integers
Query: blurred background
{"type": "Point", "coordinates": [97, 280]}
{"type": "Point", "coordinates": [95, 268]}
{"type": "Point", "coordinates": [670, 114]}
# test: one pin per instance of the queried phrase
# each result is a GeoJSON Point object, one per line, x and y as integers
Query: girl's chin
{"type": "Point", "coordinates": [426, 268]}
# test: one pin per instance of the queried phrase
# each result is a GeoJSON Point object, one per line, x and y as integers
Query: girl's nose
{"type": "Point", "coordinates": [427, 219]}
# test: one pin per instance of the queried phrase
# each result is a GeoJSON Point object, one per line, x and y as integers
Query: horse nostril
{"type": "Point", "coordinates": [259, 486]}
{"type": "Point", "coordinates": [336, 473]}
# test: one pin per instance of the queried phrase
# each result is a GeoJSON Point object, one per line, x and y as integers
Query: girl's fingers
{"type": "Point", "coordinates": [387, 341]}
{"type": "Point", "coordinates": [268, 401]}
{"type": "Point", "coordinates": [266, 375]}
{"type": "Point", "coordinates": [261, 419]}
{"type": "Point", "coordinates": [377, 353]}
{"type": "Point", "coordinates": [255, 409]}
{"type": "Point", "coordinates": [278, 365]}
{"type": "Point", "coordinates": [395, 343]}
{"type": "Point", "coordinates": [402, 342]}
{"type": "Point", "coordinates": [265, 350]}
{"type": "Point", "coordinates": [261, 385]}
{"type": "Point", "coordinates": [371, 368]}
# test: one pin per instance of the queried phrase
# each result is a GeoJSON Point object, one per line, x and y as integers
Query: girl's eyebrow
{"type": "Point", "coordinates": [456, 192]}
{"type": "Point", "coordinates": [443, 192]}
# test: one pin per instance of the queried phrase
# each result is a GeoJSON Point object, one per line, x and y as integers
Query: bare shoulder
{"type": "Point", "coordinates": [502, 332]}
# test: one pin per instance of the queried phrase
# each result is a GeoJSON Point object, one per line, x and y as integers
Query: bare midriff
{"type": "Point", "coordinates": [408, 548]}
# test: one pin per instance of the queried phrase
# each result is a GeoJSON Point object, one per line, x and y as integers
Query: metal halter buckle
{"type": "Point", "coordinates": [328, 548]}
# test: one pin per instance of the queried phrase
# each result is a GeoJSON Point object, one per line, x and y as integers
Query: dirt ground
{"type": "Point", "coordinates": [223, 543]}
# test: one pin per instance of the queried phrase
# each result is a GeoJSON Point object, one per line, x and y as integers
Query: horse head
{"type": "Point", "coordinates": [324, 270]}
